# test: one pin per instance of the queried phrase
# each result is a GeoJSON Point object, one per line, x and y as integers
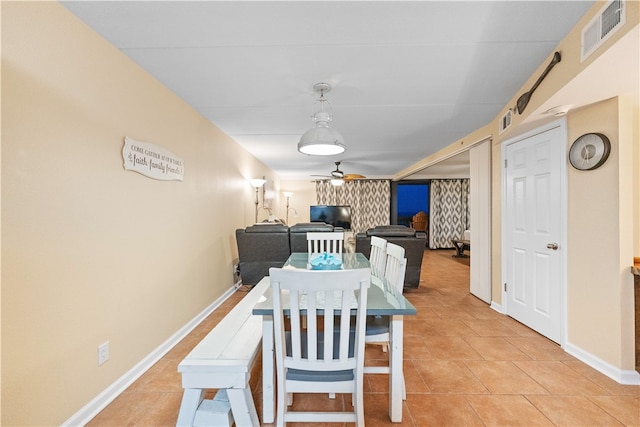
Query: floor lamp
{"type": "Point", "coordinates": [257, 183]}
{"type": "Point", "coordinates": [288, 195]}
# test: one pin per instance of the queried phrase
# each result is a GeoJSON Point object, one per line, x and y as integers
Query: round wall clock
{"type": "Point", "coordinates": [589, 151]}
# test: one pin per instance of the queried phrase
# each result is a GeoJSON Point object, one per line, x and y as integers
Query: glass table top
{"type": "Point", "coordinates": [382, 298]}
{"type": "Point", "coordinates": [343, 261]}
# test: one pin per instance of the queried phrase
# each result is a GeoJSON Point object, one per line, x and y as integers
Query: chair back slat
{"type": "Point", "coordinates": [296, 343]}
{"type": "Point", "coordinates": [378, 256]}
{"type": "Point", "coordinates": [329, 339]}
{"type": "Point", "coordinates": [330, 242]}
{"type": "Point", "coordinates": [328, 326]}
{"type": "Point", "coordinates": [395, 267]}
{"type": "Point", "coordinates": [347, 299]}
{"type": "Point", "coordinates": [312, 327]}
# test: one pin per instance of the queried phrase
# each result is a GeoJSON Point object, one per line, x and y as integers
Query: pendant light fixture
{"type": "Point", "coordinates": [321, 140]}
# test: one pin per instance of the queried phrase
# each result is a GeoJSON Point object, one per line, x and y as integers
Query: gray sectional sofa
{"type": "Point", "coordinates": [413, 242]}
{"type": "Point", "coordinates": [265, 245]}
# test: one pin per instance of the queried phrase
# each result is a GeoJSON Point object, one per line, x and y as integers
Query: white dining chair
{"type": "Point", "coordinates": [327, 356]}
{"type": "Point", "coordinates": [395, 266]}
{"type": "Point", "coordinates": [330, 242]}
{"type": "Point", "coordinates": [378, 256]}
{"type": "Point", "coordinates": [378, 327]}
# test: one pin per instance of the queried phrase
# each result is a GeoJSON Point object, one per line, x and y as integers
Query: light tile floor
{"type": "Point", "coordinates": [464, 363]}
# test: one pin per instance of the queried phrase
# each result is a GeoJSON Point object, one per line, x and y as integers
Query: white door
{"type": "Point", "coordinates": [533, 226]}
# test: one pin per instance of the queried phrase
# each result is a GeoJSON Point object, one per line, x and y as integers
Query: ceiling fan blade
{"type": "Point", "coordinates": [352, 176]}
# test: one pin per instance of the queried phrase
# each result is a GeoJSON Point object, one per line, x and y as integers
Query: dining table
{"type": "Point", "coordinates": [382, 300]}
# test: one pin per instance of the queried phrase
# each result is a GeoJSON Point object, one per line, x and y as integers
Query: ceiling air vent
{"type": "Point", "coordinates": [610, 18]}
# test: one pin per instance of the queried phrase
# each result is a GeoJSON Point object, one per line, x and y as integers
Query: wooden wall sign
{"type": "Point", "coordinates": [151, 160]}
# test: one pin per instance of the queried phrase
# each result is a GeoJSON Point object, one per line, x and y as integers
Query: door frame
{"type": "Point", "coordinates": [562, 125]}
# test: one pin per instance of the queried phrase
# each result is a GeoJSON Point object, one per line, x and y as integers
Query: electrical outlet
{"type": "Point", "coordinates": [103, 353]}
{"type": "Point", "coordinates": [236, 270]}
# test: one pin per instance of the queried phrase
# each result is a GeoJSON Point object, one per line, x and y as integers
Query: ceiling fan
{"type": "Point", "coordinates": [340, 175]}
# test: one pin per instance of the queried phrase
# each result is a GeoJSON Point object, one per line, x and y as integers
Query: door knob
{"type": "Point", "coordinates": [553, 246]}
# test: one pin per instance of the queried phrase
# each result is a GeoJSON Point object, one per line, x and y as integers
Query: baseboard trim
{"type": "Point", "coordinates": [627, 377]}
{"type": "Point", "coordinates": [497, 307]}
{"type": "Point", "coordinates": [97, 404]}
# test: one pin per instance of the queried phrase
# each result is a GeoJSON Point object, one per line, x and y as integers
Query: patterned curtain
{"type": "Point", "coordinates": [370, 201]}
{"type": "Point", "coordinates": [449, 211]}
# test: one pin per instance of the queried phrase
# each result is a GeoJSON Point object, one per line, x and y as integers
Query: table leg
{"type": "Point", "coordinates": [242, 407]}
{"type": "Point", "coordinates": [268, 371]}
{"type": "Point", "coordinates": [190, 401]}
{"type": "Point", "coordinates": [395, 361]}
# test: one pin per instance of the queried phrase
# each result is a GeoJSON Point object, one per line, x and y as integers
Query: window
{"type": "Point", "coordinates": [407, 199]}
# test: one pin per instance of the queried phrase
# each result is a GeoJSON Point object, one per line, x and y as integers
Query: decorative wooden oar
{"type": "Point", "coordinates": [524, 98]}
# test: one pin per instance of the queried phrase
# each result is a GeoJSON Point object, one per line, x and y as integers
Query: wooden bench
{"type": "Point", "coordinates": [223, 361]}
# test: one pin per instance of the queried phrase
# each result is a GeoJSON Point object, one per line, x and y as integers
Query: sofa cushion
{"type": "Point", "coordinates": [391, 231]}
{"type": "Point", "coordinates": [267, 228]}
{"type": "Point", "coordinates": [305, 227]}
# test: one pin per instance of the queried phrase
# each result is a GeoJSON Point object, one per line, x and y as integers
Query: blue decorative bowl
{"type": "Point", "coordinates": [326, 261]}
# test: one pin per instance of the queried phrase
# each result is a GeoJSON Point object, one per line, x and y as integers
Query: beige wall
{"type": "Point", "coordinates": [91, 252]}
{"type": "Point", "coordinates": [604, 205]}
{"type": "Point", "coordinates": [599, 241]}
{"type": "Point", "coordinates": [304, 196]}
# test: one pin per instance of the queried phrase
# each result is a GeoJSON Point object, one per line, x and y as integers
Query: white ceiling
{"type": "Point", "coordinates": [408, 78]}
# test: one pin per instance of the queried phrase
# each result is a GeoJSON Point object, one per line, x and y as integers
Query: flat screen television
{"type": "Point", "coordinates": [338, 216]}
